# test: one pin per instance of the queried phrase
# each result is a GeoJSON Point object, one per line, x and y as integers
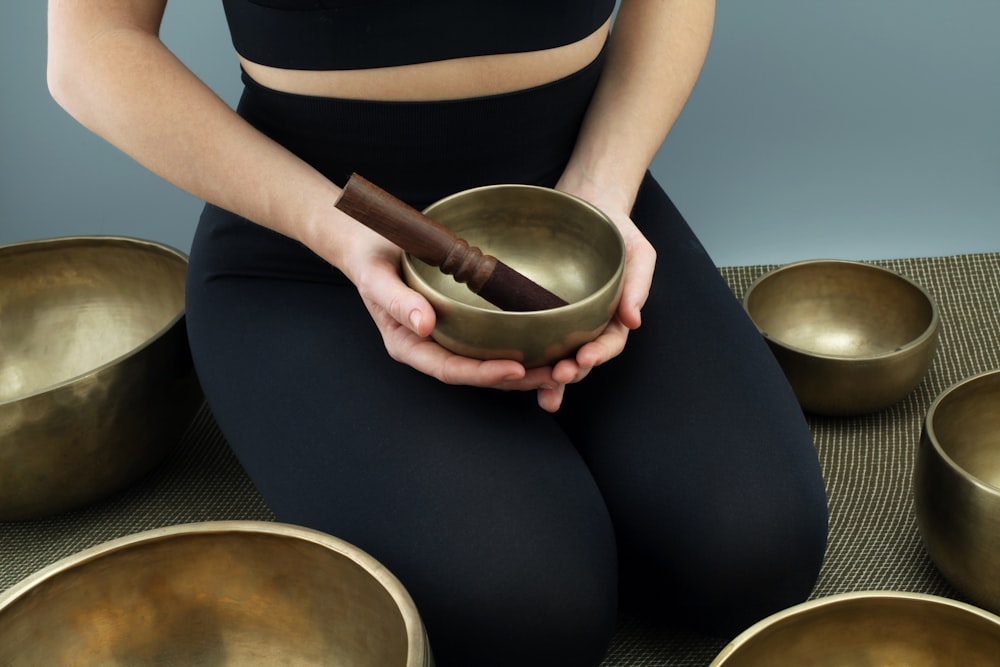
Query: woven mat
{"type": "Point", "coordinates": [874, 543]}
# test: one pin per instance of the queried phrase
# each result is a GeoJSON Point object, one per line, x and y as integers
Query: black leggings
{"type": "Point", "coordinates": [682, 469]}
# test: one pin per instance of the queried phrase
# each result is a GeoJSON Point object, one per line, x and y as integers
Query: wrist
{"type": "Point", "coordinates": [605, 194]}
{"type": "Point", "coordinates": [326, 230]}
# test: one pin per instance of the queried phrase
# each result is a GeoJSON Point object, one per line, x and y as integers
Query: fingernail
{"type": "Point", "coordinates": [415, 319]}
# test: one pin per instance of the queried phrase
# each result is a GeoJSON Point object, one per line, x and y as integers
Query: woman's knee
{"type": "Point", "coordinates": [522, 608]}
{"type": "Point", "coordinates": [742, 559]}
{"type": "Point", "coordinates": [754, 562]}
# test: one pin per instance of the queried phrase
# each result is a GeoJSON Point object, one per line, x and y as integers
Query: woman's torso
{"type": "Point", "coordinates": [429, 52]}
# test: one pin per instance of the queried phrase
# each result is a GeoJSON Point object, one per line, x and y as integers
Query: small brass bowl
{"type": "Point", "coordinates": [558, 240]}
{"type": "Point", "coordinates": [957, 487]}
{"type": "Point", "coordinates": [869, 629]}
{"type": "Point", "coordinates": [852, 338]}
{"type": "Point", "coordinates": [213, 594]}
{"type": "Point", "coordinates": [96, 379]}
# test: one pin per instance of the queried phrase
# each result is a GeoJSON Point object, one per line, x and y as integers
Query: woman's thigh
{"type": "Point", "coordinates": [474, 498]}
{"type": "Point", "coordinates": [703, 455]}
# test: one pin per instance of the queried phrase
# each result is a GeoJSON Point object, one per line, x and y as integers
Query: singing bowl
{"type": "Point", "coordinates": [851, 338]}
{"type": "Point", "coordinates": [561, 242]}
{"type": "Point", "coordinates": [96, 378]}
{"type": "Point", "coordinates": [869, 629]}
{"type": "Point", "coordinates": [957, 487]}
{"type": "Point", "coordinates": [212, 594]}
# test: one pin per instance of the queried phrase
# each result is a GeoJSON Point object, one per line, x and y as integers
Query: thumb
{"type": "Point", "coordinates": [402, 303]}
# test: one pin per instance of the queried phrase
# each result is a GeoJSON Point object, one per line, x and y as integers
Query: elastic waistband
{"type": "Point", "coordinates": [422, 151]}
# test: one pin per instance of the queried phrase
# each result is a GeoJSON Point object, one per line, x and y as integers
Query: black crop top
{"type": "Point", "coordinates": [358, 34]}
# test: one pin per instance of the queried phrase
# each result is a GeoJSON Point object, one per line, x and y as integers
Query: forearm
{"type": "Point", "coordinates": [112, 73]}
{"type": "Point", "coordinates": [655, 54]}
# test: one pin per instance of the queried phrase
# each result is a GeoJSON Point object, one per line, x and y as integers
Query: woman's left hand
{"type": "Point", "coordinates": [640, 261]}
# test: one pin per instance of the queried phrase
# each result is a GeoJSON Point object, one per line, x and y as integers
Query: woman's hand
{"type": "Point", "coordinates": [640, 262]}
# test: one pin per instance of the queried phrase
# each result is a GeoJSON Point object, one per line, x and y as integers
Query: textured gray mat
{"type": "Point", "coordinates": [874, 543]}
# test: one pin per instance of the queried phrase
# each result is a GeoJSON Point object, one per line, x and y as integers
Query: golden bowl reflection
{"type": "Point", "coordinates": [851, 337]}
{"type": "Point", "coordinates": [213, 594]}
{"type": "Point", "coordinates": [96, 379]}
{"type": "Point", "coordinates": [558, 240]}
{"type": "Point", "coordinates": [957, 487]}
{"type": "Point", "coordinates": [869, 629]}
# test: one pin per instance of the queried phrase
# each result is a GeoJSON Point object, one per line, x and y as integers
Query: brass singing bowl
{"type": "Point", "coordinates": [561, 242]}
{"type": "Point", "coordinates": [869, 629]}
{"type": "Point", "coordinates": [957, 487]}
{"type": "Point", "coordinates": [213, 594]}
{"type": "Point", "coordinates": [851, 337]}
{"type": "Point", "coordinates": [96, 378]}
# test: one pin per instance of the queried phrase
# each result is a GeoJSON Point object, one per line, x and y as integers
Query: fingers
{"type": "Point", "coordinates": [550, 399]}
{"type": "Point", "coordinates": [570, 371]}
{"type": "Point", "coordinates": [605, 347]}
{"type": "Point", "coordinates": [639, 267]}
{"type": "Point", "coordinates": [426, 356]}
{"type": "Point", "coordinates": [383, 288]}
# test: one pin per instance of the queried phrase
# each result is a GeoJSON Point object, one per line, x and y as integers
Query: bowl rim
{"type": "Point", "coordinates": [418, 647]}
{"type": "Point", "coordinates": [617, 274]}
{"type": "Point", "coordinates": [936, 444]}
{"type": "Point", "coordinates": [130, 240]}
{"type": "Point", "coordinates": [751, 632]}
{"type": "Point", "coordinates": [929, 332]}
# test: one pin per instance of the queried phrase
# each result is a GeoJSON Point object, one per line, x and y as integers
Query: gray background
{"type": "Point", "coordinates": [852, 129]}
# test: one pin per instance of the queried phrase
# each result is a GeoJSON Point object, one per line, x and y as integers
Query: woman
{"type": "Point", "coordinates": [668, 461]}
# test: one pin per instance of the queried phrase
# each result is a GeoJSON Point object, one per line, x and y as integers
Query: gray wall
{"type": "Point", "coordinates": [851, 129]}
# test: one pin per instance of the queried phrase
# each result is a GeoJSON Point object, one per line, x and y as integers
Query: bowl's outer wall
{"type": "Point", "coordinates": [958, 516]}
{"type": "Point", "coordinates": [63, 449]}
{"type": "Point", "coordinates": [843, 387]}
{"type": "Point", "coordinates": [86, 438]}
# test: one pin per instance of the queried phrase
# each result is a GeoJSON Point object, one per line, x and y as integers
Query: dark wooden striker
{"type": "Point", "coordinates": [437, 245]}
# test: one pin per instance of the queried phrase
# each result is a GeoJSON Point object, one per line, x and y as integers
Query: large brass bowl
{"type": "Point", "coordinates": [211, 594]}
{"type": "Point", "coordinates": [96, 379]}
{"type": "Point", "coordinates": [957, 487]}
{"type": "Point", "coordinates": [558, 240]}
{"type": "Point", "coordinates": [869, 629]}
{"type": "Point", "coordinates": [851, 337]}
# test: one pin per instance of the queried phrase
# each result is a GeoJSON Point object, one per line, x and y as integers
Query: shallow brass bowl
{"type": "Point", "coordinates": [96, 379]}
{"type": "Point", "coordinates": [957, 487]}
{"type": "Point", "coordinates": [851, 338]}
{"type": "Point", "coordinates": [869, 629]}
{"type": "Point", "coordinates": [558, 240]}
{"type": "Point", "coordinates": [217, 593]}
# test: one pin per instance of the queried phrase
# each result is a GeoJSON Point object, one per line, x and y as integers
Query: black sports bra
{"type": "Point", "coordinates": [358, 34]}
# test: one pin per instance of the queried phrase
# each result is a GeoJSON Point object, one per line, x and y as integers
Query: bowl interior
{"type": "Point", "coordinates": [72, 305]}
{"type": "Point", "coordinates": [869, 631]}
{"type": "Point", "coordinates": [840, 309]}
{"type": "Point", "coordinates": [209, 598]}
{"type": "Point", "coordinates": [965, 425]}
{"type": "Point", "coordinates": [559, 242]}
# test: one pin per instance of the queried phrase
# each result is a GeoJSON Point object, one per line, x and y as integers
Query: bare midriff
{"type": "Point", "coordinates": [442, 80]}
